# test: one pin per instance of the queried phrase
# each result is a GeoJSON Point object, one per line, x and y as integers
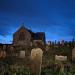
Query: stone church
{"type": "Point", "coordinates": [23, 40]}
{"type": "Point", "coordinates": [25, 37]}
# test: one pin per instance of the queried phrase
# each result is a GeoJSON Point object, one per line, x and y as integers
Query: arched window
{"type": "Point", "coordinates": [22, 36]}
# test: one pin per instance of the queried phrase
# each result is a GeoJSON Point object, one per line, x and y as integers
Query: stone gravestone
{"type": "Point", "coordinates": [60, 58]}
{"type": "Point", "coordinates": [36, 58]}
{"type": "Point", "coordinates": [22, 54]}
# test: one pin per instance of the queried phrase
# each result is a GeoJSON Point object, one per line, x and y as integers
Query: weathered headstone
{"type": "Point", "coordinates": [36, 57]}
{"type": "Point", "coordinates": [60, 58]}
{"type": "Point", "coordinates": [22, 54]}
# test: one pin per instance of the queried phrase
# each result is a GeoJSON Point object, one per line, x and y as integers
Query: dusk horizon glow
{"type": "Point", "coordinates": [54, 17]}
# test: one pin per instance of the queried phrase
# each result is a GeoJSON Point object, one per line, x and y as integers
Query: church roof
{"type": "Point", "coordinates": [34, 35]}
{"type": "Point", "coordinates": [23, 28]}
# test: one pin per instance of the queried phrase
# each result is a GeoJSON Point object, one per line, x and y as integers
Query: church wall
{"type": "Point", "coordinates": [22, 37]}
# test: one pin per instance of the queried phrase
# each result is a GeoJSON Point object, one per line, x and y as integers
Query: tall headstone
{"type": "Point", "coordinates": [36, 57]}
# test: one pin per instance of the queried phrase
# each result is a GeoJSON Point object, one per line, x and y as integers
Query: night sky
{"type": "Point", "coordinates": [54, 17]}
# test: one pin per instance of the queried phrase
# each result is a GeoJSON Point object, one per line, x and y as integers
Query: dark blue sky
{"type": "Point", "coordinates": [55, 17]}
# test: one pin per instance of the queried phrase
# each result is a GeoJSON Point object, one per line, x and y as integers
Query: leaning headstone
{"type": "Point", "coordinates": [36, 57]}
